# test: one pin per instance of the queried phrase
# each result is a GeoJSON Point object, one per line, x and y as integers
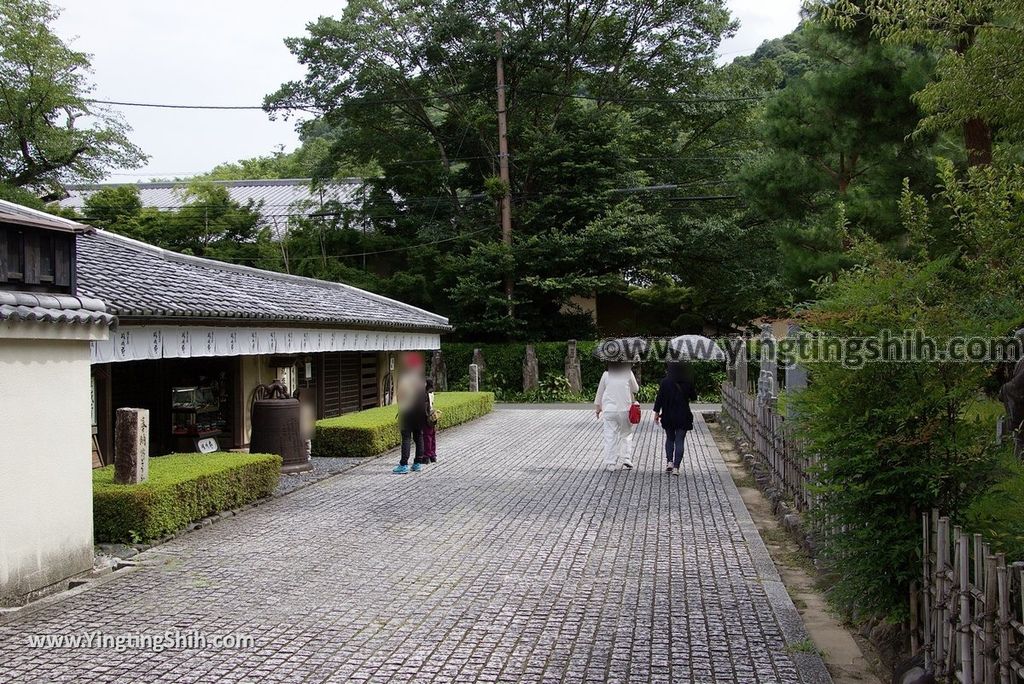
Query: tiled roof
{"type": "Point", "coordinates": [279, 197]}
{"type": "Point", "coordinates": [46, 308]}
{"type": "Point", "coordinates": [137, 280]}
{"type": "Point", "coordinates": [24, 216]}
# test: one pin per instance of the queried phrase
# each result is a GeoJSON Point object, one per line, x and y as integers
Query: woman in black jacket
{"type": "Point", "coordinates": [672, 410]}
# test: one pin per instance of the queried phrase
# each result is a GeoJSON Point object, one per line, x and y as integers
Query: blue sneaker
{"type": "Point", "coordinates": [416, 467]}
{"type": "Point", "coordinates": [401, 469]}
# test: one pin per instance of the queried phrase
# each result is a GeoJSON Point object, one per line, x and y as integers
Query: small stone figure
{"type": "Point", "coordinates": [572, 369]}
{"type": "Point", "coordinates": [439, 371]}
{"type": "Point", "coordinates": [1012, 396]}
{"type": "Point", "coordinates": [531, 370]}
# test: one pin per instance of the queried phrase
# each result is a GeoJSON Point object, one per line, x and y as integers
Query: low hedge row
{"type": "Point", "coordinates": [181, 489]}
{"type": "Point", "coordinates": [374, 431]}
{"type": "Point", "coordinates": [504, 367]}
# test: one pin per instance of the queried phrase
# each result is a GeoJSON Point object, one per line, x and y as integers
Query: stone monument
{"type": "Point", "coordinates": [438, 371]}
{"type": "Point", "coordinates": [531, 370]}
{"type": "Point", "coordinates": [131, 446]}
{"type": "Point", "coordinates": [572, 368]}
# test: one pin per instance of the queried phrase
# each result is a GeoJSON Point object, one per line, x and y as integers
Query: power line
{"type": "Point", "coordinates": [434, 160]}
{"type": "Point", "coordinates": [161, 105]}
{"type": "Point", "coordinates": [645, 100]}
{"type": "Point", "coordinates": [273, 107]}
{"type": "Point", "coordinates": [410, 201]}
{"type": "Point", "coordinates": [368, 101]}
{"type": "Point", "coordinates": [375, 252]}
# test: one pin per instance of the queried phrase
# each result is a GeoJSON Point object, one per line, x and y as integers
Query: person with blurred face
{"type": "Point", "coordinates": [614, 397]}
{"type": "Point", "coordinates": [411, 394]}
{"type": "Point", "coordinates": [672, 410]}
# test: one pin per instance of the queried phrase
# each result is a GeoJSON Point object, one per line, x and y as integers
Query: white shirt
{"type": "Point", "coordinates": [410, 387]}
{"type": "Point", "coordinates": [615, 391]}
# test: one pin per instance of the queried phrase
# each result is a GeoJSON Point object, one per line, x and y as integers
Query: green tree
{"type": "Point", "coordinates": [117, 208]}
{"type": "Point", "coordinates": [315, 156]}
{"type": "Point", "coordinates": [894, 438]}
{"type": "Point", "coordinates": [209, 224]}
{"type": "Point", "coordinates": [408, 87]}
{"type": "Point", "coordinates": [836, 147]}
{"type": "Point", "coordinates": [50, 133]}
{"type": "Point", "coordinates": [979, 87]}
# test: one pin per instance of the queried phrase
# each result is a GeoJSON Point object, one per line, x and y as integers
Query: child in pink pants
{"type": "Point", "coordinates": [430, 430]}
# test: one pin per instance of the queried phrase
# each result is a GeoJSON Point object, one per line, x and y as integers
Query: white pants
{"type": "Point", "coordinates": [618, 437]}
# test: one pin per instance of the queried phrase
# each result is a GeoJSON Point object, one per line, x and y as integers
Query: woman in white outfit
{"type": "Point", "coordinates": [614, 397]}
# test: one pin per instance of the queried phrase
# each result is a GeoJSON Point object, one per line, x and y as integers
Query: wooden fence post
{"type": "Point", "coordinates": [963, 564]}
{"type": "Point", "coordinates": [941, 558]}
{"type": "Point", "coordinates": [977, 610]}
{"type": "Point", "coordinates": [926, 588]}
{"type": "Point", "coordinates": [988, 627]}
{"type": "Point", "coordinates": [1004, 619]}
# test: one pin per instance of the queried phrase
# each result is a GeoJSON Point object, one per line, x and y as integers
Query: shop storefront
{"type": "Point", "coordinates": [196, 337]}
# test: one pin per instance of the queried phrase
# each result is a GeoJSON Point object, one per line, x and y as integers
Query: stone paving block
{"type": "Point", "coordinates": [516, 558]}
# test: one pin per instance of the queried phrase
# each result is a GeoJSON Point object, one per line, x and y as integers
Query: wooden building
{"type": "Point", "coordinates": [195, 337]}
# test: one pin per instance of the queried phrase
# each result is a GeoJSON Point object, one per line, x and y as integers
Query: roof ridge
{"type": "Point", "coordinates": [263, 273]}
{"type": "Point", "coordinates": [226, 183]}
{"type": "Point", "coordinates": [36, 214]}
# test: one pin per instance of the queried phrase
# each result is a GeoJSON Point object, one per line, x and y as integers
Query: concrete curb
{"type": "Point", "coordinates": [810, 666]}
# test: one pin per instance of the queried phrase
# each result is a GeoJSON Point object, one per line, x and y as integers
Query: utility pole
{"type": "Point", "coordinates": [506, 200]}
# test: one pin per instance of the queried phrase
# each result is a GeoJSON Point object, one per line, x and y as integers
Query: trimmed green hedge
{"type": "Point", "coordinates": [504, 372]}
{"type": "Point", "coordinates": [374, 431]}
{"type": "Point", "coordinates": [181, 489]}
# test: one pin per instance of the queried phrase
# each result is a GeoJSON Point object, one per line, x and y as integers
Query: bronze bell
{"type": "Point", "coordinates": [275, 427]}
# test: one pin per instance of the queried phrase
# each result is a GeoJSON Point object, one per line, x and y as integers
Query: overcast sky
{"type": "Point", "coordinates": [230, 52]}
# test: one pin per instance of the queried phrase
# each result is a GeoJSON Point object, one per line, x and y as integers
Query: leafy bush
{"type": "Point", "coordinates": [374, 431]}
{"type": "Point", "coordinates": [891, 436]}
{"type": "Point", "coordinates": [896, 439]}
{"type": "Point", "coordinates": [181, 489]}
{"type": "Point", "coordinates": [552, 389]}
{"type": "Point", "coordinates": [503, 374]}
{"type": "Point", "coordinates": [647, 394]}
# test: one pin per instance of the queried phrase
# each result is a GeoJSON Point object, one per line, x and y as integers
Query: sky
{"type": "Point", "coordinates": [231, 52]}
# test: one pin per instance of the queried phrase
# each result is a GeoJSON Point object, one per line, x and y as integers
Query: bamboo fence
{"type": "Point", "coordinates": [774, 444]}
{"type": "Point", "coordinates": [966, 609]}
{"type": "Point", "coordinates": [967, 614]}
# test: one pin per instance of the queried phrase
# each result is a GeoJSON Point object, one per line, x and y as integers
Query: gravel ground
{"type": "Point", "coordinates": [322, 468]}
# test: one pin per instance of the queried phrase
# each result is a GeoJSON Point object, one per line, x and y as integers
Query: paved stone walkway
{"type": "Point", "coordinates": [515, 559]}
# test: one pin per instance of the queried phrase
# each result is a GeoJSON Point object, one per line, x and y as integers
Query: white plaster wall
{"type": "Point", "coordinates": [45, 464]}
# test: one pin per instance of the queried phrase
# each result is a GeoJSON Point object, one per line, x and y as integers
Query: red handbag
{"type": "Point", "coordinates": [634, 413]}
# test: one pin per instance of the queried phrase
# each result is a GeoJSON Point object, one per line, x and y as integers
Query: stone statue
{"type": "Point", "coordinates": [1012, 396]}
{"type": "Point", "coordinates": [531, 370]}
{"type": "Point", "coordinates": [573, 374]}
{"type": "Point", "coordinates": [766, 390]}
{"type": "Point", "coordinates": [438, 371]}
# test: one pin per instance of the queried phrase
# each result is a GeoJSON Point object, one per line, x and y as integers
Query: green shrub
{"type": "Point", "coordinates": [181, 489]}
{"type": "Point", "coordinates": [374, 431]}
{"type": "Point", "coordinates": [503, 374]}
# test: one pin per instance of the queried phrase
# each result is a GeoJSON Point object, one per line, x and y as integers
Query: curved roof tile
{"type": "Point", "coordinates": [137, 280]}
